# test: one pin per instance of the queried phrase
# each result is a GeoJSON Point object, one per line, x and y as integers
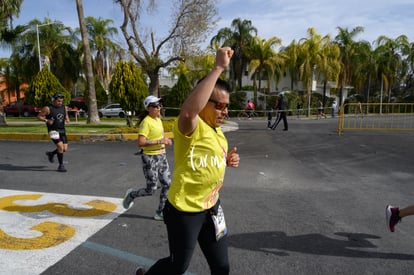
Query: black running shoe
{"type": "Point", "coordinates": [50, 156]}
{"type": "Point", "coordinates": [140, 271]}
{"type": "Point", "coordinates": [61, 168]}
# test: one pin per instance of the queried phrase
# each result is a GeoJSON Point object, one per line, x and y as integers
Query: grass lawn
{"type": "Point", "coordinates": [107, 126]}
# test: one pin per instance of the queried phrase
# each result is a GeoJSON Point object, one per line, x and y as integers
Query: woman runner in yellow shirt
{"type": "Point", "coordinates": [154, 159]}
{"type": "Point", "coordinates": [192, 212]}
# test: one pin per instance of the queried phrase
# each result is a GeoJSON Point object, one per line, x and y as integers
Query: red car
{"type": "Point", "coordinates": [21, 108]}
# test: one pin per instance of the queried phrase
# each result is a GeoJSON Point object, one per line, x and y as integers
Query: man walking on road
{"type": "Point", "coordinates": [55, 116]}
{"type": "Point", "coordinates": [282, 109]}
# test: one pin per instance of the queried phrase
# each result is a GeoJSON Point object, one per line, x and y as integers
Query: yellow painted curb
{"type": "Point", "coordinates": [76, 137]}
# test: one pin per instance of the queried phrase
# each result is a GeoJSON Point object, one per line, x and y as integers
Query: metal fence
{"type": "Point", "coordinates": [376, 116]}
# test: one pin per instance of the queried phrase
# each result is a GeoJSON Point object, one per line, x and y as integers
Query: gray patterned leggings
{"type": "Point", "coordinates": [155, 168]}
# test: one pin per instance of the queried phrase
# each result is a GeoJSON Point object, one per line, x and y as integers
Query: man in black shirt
{"type": "Point", "coordinates": [55, 116]}
{"type": "Point", "coordinates": [282, 116]}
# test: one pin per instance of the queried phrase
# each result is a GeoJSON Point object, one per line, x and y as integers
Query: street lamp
{"type": "Point", "coordinates": [38, 41]}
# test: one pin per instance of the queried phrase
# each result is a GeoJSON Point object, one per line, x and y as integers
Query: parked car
{"type": "Point", "coordinates": [21, 108]}
{"type": "Point", "coordinates": [112, 110]}
{"type": "Point", "coordinates": [78, 102]}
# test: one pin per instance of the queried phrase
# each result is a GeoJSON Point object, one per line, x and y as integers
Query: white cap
{"type": "Point", "coordinates": [150, 99]}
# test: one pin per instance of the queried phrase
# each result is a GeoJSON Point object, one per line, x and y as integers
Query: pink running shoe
{"type": "Point", "coordinates": [392, 218]}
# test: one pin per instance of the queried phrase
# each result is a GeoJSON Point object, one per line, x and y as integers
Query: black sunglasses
{"type": "Point", "coordinates": [154, 105]}
{"type": "Point", "coordinates": [219, 105]}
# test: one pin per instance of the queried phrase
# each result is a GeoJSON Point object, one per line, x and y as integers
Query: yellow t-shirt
{"type": "Point", "coordinates": [200, 163]}
{"type": "Point", "coordinates": [152, 129]}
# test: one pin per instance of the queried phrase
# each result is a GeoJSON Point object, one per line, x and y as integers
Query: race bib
{"type": "Point", "coordinates": [219, 223]}
{"type": "Point", "coordinates": [54, 134]}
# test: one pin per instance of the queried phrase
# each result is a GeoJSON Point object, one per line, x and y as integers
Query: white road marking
{"type": "Point", "coordinates": [39, 229]}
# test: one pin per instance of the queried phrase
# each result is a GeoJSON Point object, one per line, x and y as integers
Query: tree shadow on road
{"type": "Point", "coordinates": [278, 243]}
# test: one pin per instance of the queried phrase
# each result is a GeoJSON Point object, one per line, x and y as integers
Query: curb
{"type": "Point", "coordinates": [228, 127]}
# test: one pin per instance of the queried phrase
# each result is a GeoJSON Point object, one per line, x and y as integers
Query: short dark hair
{"type": "Point", "coordinates": [220, 83]}
{"type": "Point", "coordinates": [57, 96]}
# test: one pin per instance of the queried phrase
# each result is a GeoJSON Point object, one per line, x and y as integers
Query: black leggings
{"type": "Point", "coordinates": [184, 230]}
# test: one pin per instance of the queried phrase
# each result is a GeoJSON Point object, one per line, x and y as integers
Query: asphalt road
{"type": "Point", "coordinates": [305, 201]}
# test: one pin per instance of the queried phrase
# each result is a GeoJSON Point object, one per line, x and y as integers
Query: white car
{"type": "Point", "coordinates": [112, 110]}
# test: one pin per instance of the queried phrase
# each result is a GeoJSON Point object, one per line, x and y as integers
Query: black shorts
{"type": "Point", "coordinates": [62, 138]}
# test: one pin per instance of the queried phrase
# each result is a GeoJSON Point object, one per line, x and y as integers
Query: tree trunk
{"type": "Point", "coordinates": [154, 86]}
{"type": "Point", "coordinates": [3, 120]}
{"type": "Point", "coordinates": [93, 117]}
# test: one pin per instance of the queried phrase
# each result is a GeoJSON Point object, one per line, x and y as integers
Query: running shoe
{"type": "Point", "coordinates": [128, 200]}
{"type": "Point", "coordinates": [392, 218]}
{"type": "Point", "coordinates": [140, 271]}
{"type": "Point", "coordinates": [50, 156]}
{"type": "Point", "coordinates": [61, 168]}
{"type": "Point", "coordinates": [158, 216]}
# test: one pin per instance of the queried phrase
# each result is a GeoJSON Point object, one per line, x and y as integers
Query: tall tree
{"type": "Point", "coordinates": [128, 88]}
{"type": "Point", "coordinates": [391, 60]}
{"type": "Point", "coordinates": [264, 60]}
{"type": "Point", "coordinates": [54, 44]}
{"type": "Point", "coordinates": [292, 53]}
{"type": "Point", "coordinates": [100, 33]}
{"type": "Point", "coordinates": [238, 37]}
{"type": "Point", "coordinates": [312, 58]}
{"type": "Point", "coordinates": [191, 21]}
{"type": "Point", "coordinates": [8, 34]}
{"type": "Point", "coordinates": [93, 117]}
{"type": "Point", "coordinates": [347, 44]}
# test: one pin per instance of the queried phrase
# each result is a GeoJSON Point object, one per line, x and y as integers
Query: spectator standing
{"type": "Point", "coordinates": [320, 110]}
{"type": "Point", "coordinates": [333, 110]}
{"type": "Point", "coordinates": [299, 109]}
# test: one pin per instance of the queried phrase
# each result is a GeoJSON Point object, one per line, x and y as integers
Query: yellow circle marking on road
{"type": "Point", "coordinates": [99, 207]}
{"type": "Point", "coordinates": [53, 234]}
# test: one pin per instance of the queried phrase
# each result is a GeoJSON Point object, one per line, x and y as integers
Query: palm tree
{"type": "Point", "coordinates": [100, 33]}
{"type": "Point", "coordinates": [55, 44]}
{"type": "Point", "coordinates": [8, 34]}
{"type": "Point", "coordinates": [292, 53]}
{"type": "Point", "coordinates": [345, 41]}
{"type": "Point", "coordinates": [93, 117]}
{"type": "Point", "coordinates": [312, 58]}
{"type": "Point", "coordinates": [264, 59]}
{"type": "Point", "coordinates": [239, 38]}
{"type": "Point", "coordinates": [391, 60]}
{"type": "Point", "coordinates": [331, 66]}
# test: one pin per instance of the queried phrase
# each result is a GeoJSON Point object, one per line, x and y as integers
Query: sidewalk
{"type": "Point", "coordinates": [229, 126]}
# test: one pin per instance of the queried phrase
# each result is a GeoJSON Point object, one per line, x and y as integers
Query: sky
{"type": "Point", "coordinates": [285, 19]}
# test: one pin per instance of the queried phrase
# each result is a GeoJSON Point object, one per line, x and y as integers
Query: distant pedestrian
{"type": "Point", "coordinates": [359, 111]}
{"type": "Point", "coordinates": [154, 158]}
{"type": "Point", "coordinates": [55, 116]}
{"type": "Point", "coordinates": [333, 110]}
{"type": "Point", "coordinates": [249, 108]}
{"type": "Point", "coordinates": [282, 108]}
{"type": "Point", "coordinates": [299, 109]}
{"type": "Point", "coordinates": [394, 215]}
{"type": "Point", "coordinates": [320, 110]}
{"type": "Point", "coordinates": [269, 118]}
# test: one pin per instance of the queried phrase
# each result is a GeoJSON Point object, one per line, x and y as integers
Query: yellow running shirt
{"type": "Point", "coordinates": [152, 129]}
{"type": "Point", "coordinates": [200, 163]}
